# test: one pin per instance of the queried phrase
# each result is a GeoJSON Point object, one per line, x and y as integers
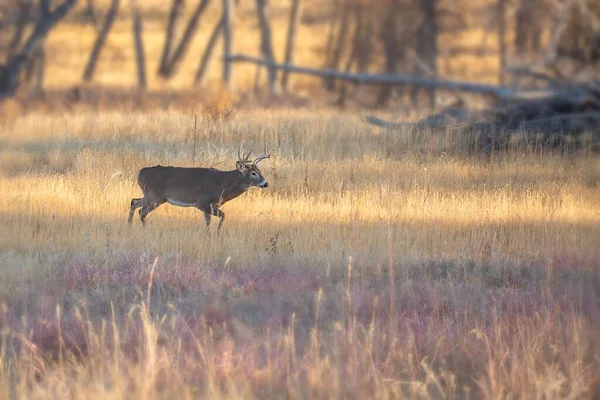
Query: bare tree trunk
{"type": "Point", "coordinates": [363, 35]}
{"type": "Point", "coordinates": [341, 42]}
{"type": "Point", "coordinates": [174, 14]}
{"type": "Point", "coordinates": [40, 71]}
{"type": "Point", "coordinates": [501, 15]}
{"type": "Point", "coordinates": [34, 69]}
{"type": "Point", "coordinates": [426, 48]}
{"type": "Point", "coordinates": [266, 43]}
{"type": "Point", "coordinates": [9, 73]}
{"type": "Point", "coordinates": [528, 27]}
{"type": "Point", "coordinates": [333, 21]}
{"type": "Point", "coordinates": [228, 13]}
{"type": "Point", "coordinates": [343, 91]}
{"type": "Point", "coordinates": [559, 23]}
{"type": "Point", "coordinates": [291, 40]}
{"type": "Point", "coordinates": [432, 46]}
{"type": "Point", "coordinates": [208, 52]}
{"type": "Point", "coordinates": [536, 37]}
{"type": "Point", "coordinates": [139, 44]}
{"type": "Point", "coordinates": [17, 37]}
{"type": "Point", "coordinates": [30, 66]}
{"type": "Point", "coordinates": [520, 42]}
{"type": "Point", "coordinates": [393, 49]}
{"type": "Point", "coordinates": [100, 40]}
{"type": "Point", "coordinates": [186, 39]}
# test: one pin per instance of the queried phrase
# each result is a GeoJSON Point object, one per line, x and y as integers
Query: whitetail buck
{"type": "Point", "coordinates": [204, 188]}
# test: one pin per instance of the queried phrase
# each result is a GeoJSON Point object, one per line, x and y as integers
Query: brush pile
{"type": "Point", "coordinates": [565, 118]}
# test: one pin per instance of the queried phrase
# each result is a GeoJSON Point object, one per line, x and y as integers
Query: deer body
{"type": "Point", "coordinates": [204, 188]}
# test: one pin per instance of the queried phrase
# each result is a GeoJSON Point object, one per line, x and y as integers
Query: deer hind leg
{"type": "Point", "coordinates": [147, 209]}
{"type": "Point", "coordinates": [135, 204]}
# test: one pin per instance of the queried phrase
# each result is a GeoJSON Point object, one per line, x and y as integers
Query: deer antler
{"type": "Point", "coordinates": [259, 159]}
{"type": "Point", "coordinates": [243, 157]}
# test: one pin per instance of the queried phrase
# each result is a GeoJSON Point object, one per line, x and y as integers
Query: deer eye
{"type": "Point", "coordinates": [253, 173]}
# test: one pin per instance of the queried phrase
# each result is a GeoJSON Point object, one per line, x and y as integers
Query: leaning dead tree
{"type": "Point", "coordinates": [100, 42]}
{"type": "Point", "coordinates": [109, 19]}
{"type": "Point", "coordinates": [17, 36]}
{"type": "Point", "coordinates": [35, 65]}
{"type": "Point", "coordinates": [209, 51]}
{"type": "Point", "coordinates": [174, 15]}
{"type": "Point", "coordinates": [217, 32]}
{"type": "Point", "coordinates": [47, 18]}
{"type": "Point", "coordinates": [170, 60]}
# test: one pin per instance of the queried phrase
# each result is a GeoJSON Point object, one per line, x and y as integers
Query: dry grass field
{"type": "Point", "coordinates": [376, 265]}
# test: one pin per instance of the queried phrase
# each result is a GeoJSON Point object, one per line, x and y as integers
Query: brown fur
{"type": "Point", "coordinates": [207, 189]}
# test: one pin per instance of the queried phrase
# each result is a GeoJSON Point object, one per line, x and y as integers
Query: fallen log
{"type": "Point", "coordinates": [497, 92]}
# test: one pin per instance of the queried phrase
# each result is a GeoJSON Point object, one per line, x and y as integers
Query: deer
{"type": "Point", "coordinates": [206, 189]}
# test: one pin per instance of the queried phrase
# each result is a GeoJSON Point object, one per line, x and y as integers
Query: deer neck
{"type": "Point", "coordinates": [235, 188]}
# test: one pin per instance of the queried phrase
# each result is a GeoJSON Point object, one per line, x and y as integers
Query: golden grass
{"type": "Point", "coordinates": [377, 264]}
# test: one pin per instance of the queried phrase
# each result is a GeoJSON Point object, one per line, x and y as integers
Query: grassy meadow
{"type": "Point", "coordinates": [376, 265]}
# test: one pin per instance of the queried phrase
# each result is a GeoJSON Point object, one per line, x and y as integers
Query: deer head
{"type": "Point", "coordinates": [249, 169]}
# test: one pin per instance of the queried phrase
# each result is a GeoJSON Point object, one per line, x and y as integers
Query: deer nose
{"type": "Point", "coordinates": [264, 184]}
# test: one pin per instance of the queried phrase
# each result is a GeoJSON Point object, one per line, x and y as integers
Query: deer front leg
{"type": "Point", "coordinates": [214, 210]}
{"type": "Point", "coordinates": [206, 209]}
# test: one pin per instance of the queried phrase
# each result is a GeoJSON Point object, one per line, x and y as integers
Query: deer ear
{"type": "Point", "coordinates": [240, 166]}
